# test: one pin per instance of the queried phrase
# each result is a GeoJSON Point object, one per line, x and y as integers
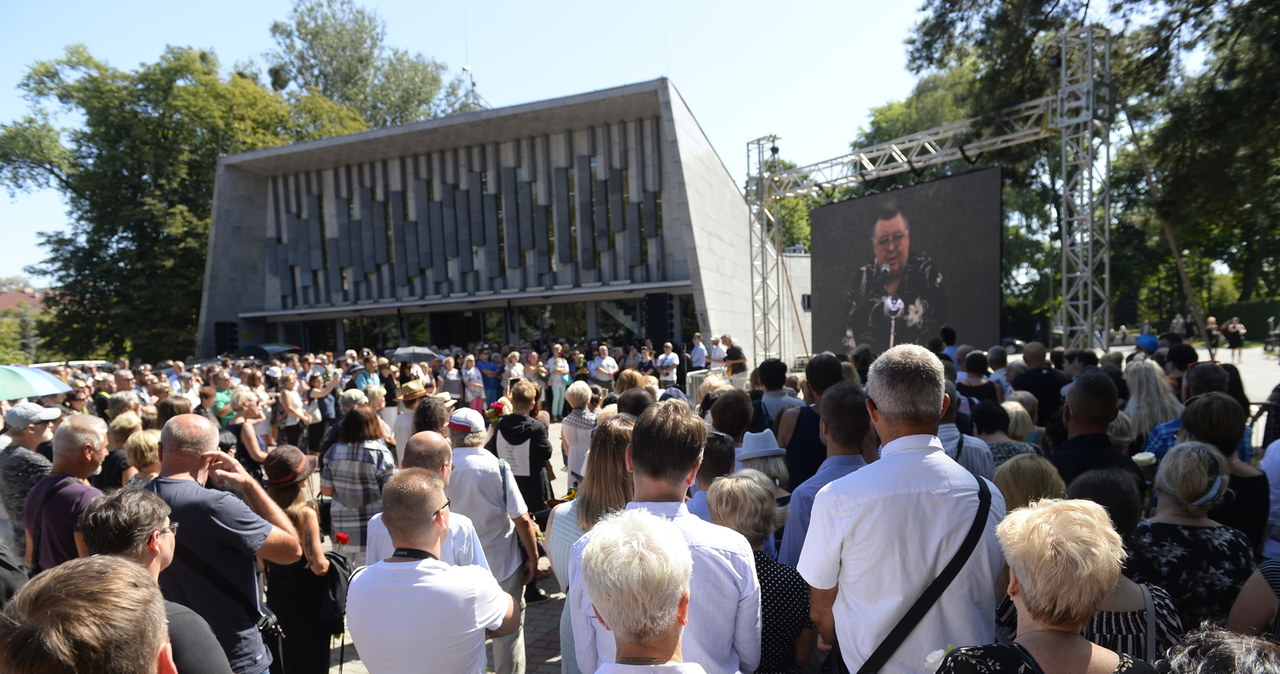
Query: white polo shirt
{"type": "Point", "coordinates": [883, 533]}
{"type": "Point", "coordinates": [408, 617]}
{"type": "Point", "coordinates": [477, 489]}
{"type": "Point", "coordinates": [672, 361]}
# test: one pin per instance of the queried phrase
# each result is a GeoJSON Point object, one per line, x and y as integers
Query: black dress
{"type": "Point", "coordinates": [1202, 568]}
{"type": "Point", "coordinates": [294, 594]}
{"type": "Point", "coordinates": [784, 612]}
{"type": "Point", "coordinates": [1014, 659]}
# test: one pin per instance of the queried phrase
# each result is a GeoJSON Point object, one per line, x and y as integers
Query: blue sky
{"type": "Point", "coordinates": [808, 72]}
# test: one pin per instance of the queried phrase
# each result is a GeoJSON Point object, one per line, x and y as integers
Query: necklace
{"type": "Point", "coordinates": [642, 661]}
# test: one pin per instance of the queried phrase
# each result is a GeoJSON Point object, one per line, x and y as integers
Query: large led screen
{"type": "Point", "coordinates": [895, 267]}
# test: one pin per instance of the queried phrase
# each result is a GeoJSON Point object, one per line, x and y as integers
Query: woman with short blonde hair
{"type": "Point", "coordinates": [143, 451]}
{"type": "Point", "coordinates": [1064, 559]}
{"type": "Point", "coordinates": [744, 502]}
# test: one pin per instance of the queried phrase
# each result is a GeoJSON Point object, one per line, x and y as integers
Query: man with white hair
{"type": "Point", "coordinates": [859, 564]}
{"type": "Point", "coordinates": [483, 488]}
{"type": "Point", "coordinates": [214, 570]}
{"type": "Point", "coordinates": [51, 514]}
{"type": "Point", "coordinates": [636, 568]}
{"type": "Point", "coordinates": [413, 605]}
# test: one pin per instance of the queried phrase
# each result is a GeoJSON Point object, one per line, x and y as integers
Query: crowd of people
{"type": "Point", "coordinates": [929, 508]}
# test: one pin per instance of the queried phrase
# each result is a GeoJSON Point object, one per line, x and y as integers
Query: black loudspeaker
{"type": "Point", "coordinates": [226, 337]}
{"type": "Point", "coordinates": [659, 318]}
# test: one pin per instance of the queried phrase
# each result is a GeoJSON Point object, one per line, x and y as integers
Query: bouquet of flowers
{"type": "Point", "coordinates": [497, 410]}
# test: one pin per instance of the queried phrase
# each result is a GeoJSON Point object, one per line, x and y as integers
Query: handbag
{"type": "Point", "coordinates": [916, 613]}
{"type": "Point", "coordinates": [313, 410]}
{"type": "Point", "coordinates": [325, 505]}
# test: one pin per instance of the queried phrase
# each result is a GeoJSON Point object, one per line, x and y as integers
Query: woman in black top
{"type": "Point", "coordinates": [744, 502]}
{"type": "Point", "coordinates": [1216, 419]}
{"type": "Point", "coordinates": [974, 384]}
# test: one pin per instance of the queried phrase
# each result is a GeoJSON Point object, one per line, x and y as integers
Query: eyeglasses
{"type": "Point", "coordinates": [447, 502]}
{"type": "Point", "coordinates": [895, 240]}
{"type": "Point", "coordinates": [172, 528]}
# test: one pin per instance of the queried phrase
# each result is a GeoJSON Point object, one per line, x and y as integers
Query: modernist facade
{"type": "Point", "coordinates": [606, 214]}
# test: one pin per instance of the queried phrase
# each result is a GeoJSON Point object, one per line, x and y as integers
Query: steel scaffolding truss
{"type": "Point", "coordinates": [1085, 109]}
{"type": "Point", "coordinates": [1080, 112]}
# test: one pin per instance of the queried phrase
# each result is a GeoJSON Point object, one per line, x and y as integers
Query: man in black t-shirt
{"type": "Point", "coordinates": [734, 359]}
{"type": "Point", "coordinates": [1042, 381]}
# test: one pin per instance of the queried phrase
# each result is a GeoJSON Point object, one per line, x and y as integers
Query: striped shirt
{"type": "Point", "coordinates": [357, 473]}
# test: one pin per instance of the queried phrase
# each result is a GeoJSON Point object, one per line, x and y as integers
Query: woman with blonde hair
{"type": "Point", "coordinates": [744, 502]}
{"type": "Point", "coordinates": [627, 380]}
{"type": "Point", "coordinates": [1064, 559]}
{"type": "Point", "coordinates": [473, 384]}
{"type": "Point", "coordinates": [1199, 561]}
{"type": "Point", "coordinates": [246, 408]}
{"type": "Point", "coordinates": [295, 591]}
{"type": "Point", "coordinates": [1026, 478]}
{"type": "Point", "coordinates": [606, 488]}
{"type": "Point", "coordinates": [143, 451]}
{"type": "Point", "coordinates": [295, 413]}
{"type": "Point", "coordinates": [1151, 399]}
{"type": "Point", "coordinates": [1020, 421]}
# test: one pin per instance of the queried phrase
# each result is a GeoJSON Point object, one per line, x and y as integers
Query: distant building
{"type": "Point", "coordinates": [12, 299]}
{"type": "Point", "coordinates": [606, 214]}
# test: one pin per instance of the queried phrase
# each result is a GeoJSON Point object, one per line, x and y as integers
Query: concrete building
{"type": "Point", "coordinates": [606, 214]}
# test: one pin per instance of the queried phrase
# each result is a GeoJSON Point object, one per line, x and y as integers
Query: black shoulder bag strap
{"type": "Point", "coordinates": [39, 523]}
{"type": "Point", "coordinates": [960, 447]}
{"type": "Point", "coordinates": [903, 629]}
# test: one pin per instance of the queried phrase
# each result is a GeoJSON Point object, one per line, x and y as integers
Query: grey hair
{"type": "Point", "coordinates": [636, 568]}
{"type": "Point", "coordinates": [464, 439]}
{"type": "Point", "coordinates": [906, 383]}
{"type": "Point", "coordinates": [121, 401]}
{"type": "Point", "coordinates": [351, 398]}
{"type": "Point", "coordinates": [1213, 650]}
{"type": "Point", "coordinates": [189, 434]}
{"type": "Point", "coordinates": [77, 431]}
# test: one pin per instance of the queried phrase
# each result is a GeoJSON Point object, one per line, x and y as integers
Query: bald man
{"type": "Point", "coordinates": [1042, 381]}
{"type": "Point", "coordinates": [432, 452]}
{"type": "Point", "coordinates": [219, 534]}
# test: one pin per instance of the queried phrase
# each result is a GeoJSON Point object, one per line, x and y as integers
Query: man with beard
{"type": "Point", "coordinates": [898, 298]}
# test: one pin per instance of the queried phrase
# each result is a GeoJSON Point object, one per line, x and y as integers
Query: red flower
{"type": "Point", "coordinates": [341, 537]}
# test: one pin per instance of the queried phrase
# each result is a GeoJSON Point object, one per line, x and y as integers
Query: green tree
{"type": "Point", "coordinates": [137, 174]}
{"type": "Point", "coordinates": [339, 49]}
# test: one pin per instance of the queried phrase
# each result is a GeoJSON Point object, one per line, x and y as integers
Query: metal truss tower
{"type": "Point", "coordinates": [1086, 106]}
{"type": "Point", "coordinates": [766, 252]}
{"type": "Point", "coordinates": [1080, 112]}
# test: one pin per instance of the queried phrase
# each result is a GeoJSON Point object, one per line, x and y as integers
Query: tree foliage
{"type": "Point", "coordinates": [339, 49]}
{"type": "Point", "coordinates": [1211, 133]}
{"type": "Point", "coordinates": [137, 174]}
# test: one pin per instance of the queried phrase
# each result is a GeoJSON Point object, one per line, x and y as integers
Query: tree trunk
{"type": "Point", "coordinates": [1196, 312]}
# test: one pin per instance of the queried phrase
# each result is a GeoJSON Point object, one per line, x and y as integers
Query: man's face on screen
{"type": "Point", "coordinates": [892, 241]}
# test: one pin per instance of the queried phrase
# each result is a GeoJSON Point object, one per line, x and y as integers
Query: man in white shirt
{"type": "Point", "coordinates": [914, 506]}
{"type": "Point", "coordinates": [483, 489]}
{"type": "Point", "coordinates": [717, 355]}
{"type": "Point", "coordinates": [603, 369]}
{"type": "Point", "coordinates": [698, 354]}
{"type": "Point", "coordinates": [972, 453]}
{"type": "Point", "coordinates": [723, 634]}
{"type": "Point", "coordinates": [667, 365]}
{"type": "Point", "coordinates": [411, 394]}
{"type": "Point", "coordinates": [433, 453]}
{"type": "Point", "coordinates": [412, 605]}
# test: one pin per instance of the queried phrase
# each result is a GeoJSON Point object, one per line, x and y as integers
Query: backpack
{"type": "Point", "coordinates": [333, 605]}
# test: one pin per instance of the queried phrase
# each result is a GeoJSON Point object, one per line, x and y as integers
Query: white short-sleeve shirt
{"type": "Point", "coordinates": [402, 612]}
{"type": "Point", "coordinates": [460, 548]}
